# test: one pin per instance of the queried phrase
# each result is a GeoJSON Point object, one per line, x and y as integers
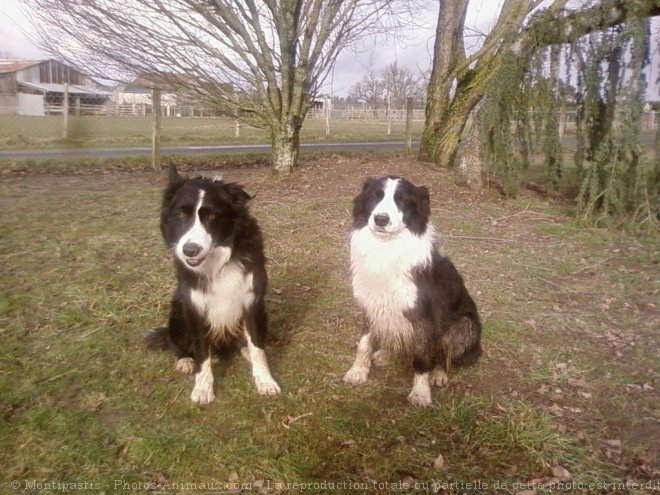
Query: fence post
{"type": "Point", "coordinates": [409, 118]}
{"type": "Point", "coordinates": [327, 107]}
{"type": "Point", "coordinates": [65, 112]}
{"type": "Point", "coordinates": [155, 136]}
{"type": "Point", "coordinates": [388, 115]}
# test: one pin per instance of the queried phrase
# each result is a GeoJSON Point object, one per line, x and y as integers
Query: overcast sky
{"type": "Point", "coordinates": [415, 52]}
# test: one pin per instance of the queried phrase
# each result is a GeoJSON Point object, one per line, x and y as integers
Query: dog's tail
{"type": "Point", "coordinates": [462, 344]}
{"type": "Point", "coordinates": [157, 339]}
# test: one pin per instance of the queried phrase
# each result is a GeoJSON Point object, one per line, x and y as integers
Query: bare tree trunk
{"type": "Point", "coordinates": [286, 145]}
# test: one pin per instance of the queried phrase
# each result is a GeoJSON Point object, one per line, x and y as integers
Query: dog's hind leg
{"type": "Point", "coordinates": [179, 338]}
{"type": "Point", "coordinates": [423, 364]}
{"type": "Point", "coordinates": [359, 372]}
{"type": "Point", "coordinates": [438, 376]}
{"type": "Point", "coordinates": [462, 343]}
{"type": "Point", "coordinates": [381, 358]}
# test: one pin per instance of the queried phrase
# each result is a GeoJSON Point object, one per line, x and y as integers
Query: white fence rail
{"type": "Point", "coordinates": [649, 120]}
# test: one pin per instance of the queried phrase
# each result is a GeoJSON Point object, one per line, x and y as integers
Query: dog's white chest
{"type": "Point", "coordinates": [382, 280]}
{"type": "Point", "coordinates": [224, 300]}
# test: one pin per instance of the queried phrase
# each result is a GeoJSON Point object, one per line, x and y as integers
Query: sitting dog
{"type": "Point", "coordinates": [414, 300]}
{"type": "Point", "coordinates": [220, 265]}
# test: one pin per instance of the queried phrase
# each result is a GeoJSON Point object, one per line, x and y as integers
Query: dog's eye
{"type": "Point", "coordinates": [379, 194]}
{"type": "Point", "coordinates": [182, 214]}
{"type": "Point", "coordinates": [211, 216]}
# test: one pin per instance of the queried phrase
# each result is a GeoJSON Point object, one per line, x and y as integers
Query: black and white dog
{"type": "Point", "coordinates": [220, 265]}
{"type": "Point", "coordinates": [414, 299]}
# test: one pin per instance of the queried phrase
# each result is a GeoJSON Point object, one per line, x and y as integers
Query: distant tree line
{"type": "Point", "coordinates": [394, 82]}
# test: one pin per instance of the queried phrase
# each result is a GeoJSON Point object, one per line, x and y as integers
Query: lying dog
{"type": "Point", "coordinates": [414, 299]}
{"type": "Point", "coordinates": [220, 265]}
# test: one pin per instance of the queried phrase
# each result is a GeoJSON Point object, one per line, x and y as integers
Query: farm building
{"type": "Point", "coordinates": [37, 87]}
{"type": "Point", "coordinates": [134, 98]}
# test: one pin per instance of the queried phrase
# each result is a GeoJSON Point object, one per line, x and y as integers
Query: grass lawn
{"type": "Point", "coordinates": [17, 131]}
{"type": "Point", "coordinates": [567, 387]}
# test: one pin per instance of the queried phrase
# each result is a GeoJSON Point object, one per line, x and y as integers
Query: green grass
{"type": "Point", "coordinates": [19, 131]}
{"type": "Point", "coordinates": [84, 272]}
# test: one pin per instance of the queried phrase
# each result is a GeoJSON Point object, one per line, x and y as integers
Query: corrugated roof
{"type": "Point", "coordinates": [7, 66]}
{"type": "Point", "coordinates": [59, 88]}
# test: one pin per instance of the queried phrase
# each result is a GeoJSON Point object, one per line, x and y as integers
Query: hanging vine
{"type": "Point", "coordinates": [523, 114]}
{"type": "Point", "coordinates": [498, 111]}
{"type": "Point", "coordinates": [618, 182]}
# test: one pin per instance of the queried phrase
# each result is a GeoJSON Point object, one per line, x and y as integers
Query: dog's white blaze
{"type": "Point", "coordinates": [197, 234]}
{"type": "Point", "coordinates": [266, 384]}
{"type": "Point", "coordinates": [389, 207]}
{"type": "Point", "coordinates": [203, 391]}
{"type": "Point", "coordinates": [382, 283]}
{"type": "Point", "coordinates": [224, 300]}
{"type": "Point", "coordinates": [420, 395]}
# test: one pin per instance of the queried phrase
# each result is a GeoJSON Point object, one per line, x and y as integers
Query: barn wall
{"type": "Point", "coordinates": [31, 105]}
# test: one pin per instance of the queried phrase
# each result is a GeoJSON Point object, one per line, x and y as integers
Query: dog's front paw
{"type": "Point", "coordinates": [267, 387]}
{"type": "Point", "coordinates": [420, 395]}
{"type": "Point", "coordinates": [356, 376]}
{"type": "Point", "coordinates": [420, 398]}
{"type": "Point", "coordinates": [185, 365]}
{"type": "Point", "coordinates": [438, 377]}
{"type": "Point", "coordinates": [202, 396]}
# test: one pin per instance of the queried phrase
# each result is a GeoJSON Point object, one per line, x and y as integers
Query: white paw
{"type": "Point", "coordinates": [185, 365]}
{"type": "Point", "coordinates": [202, 396]}
{"type": "Point", "coordinates": [381, 358]}
{"type": "Point", "coordinates": [420, 398]}
{"type": "Point", "coordinates": [267, 387]}
{"type": "Point", "coordinates": [438, 377]}
{"type": "Point", "coordinates": [356, 376]}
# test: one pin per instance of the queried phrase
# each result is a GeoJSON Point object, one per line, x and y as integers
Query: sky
{"type": "Point", "coordinates": [414, 52]}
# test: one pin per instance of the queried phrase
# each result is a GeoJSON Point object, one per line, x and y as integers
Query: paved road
{"type": "Point", "coordinates": [192, 150]}
{"type": "Point", "coordinates": [645, 139]}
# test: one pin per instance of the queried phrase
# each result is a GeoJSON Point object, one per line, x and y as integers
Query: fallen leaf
{"type": "Point", "coordinates": [561, 473]}
{"type": "Point", "coordinates": [439, 462]}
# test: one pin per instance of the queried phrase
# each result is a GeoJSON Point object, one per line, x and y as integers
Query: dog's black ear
{"type": "Point", "coordinates": [368, 183]}
{"type": "Point", "coordinates": [237, 193]}
{"type": "Point", "coordinates": [423, 201]}
{"type": "Point", "coordinates": [173, 174]}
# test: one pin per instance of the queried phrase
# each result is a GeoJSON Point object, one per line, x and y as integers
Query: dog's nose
{"type": "Point", "coordinates": [381, 219]}
{"type": "Point", "coordinates": [191, 249]}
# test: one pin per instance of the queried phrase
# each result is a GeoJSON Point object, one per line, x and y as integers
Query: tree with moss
{"type": "Point", "coordinates": [509, 92]}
